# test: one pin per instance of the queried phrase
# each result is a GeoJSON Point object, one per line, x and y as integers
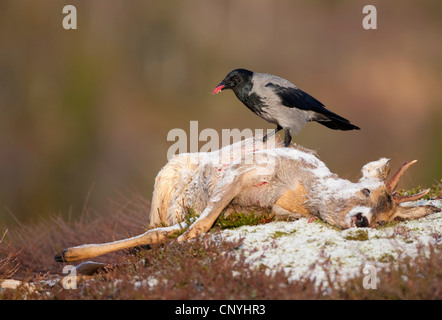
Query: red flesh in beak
{"type": "Point", "coordinates": [218, 89]}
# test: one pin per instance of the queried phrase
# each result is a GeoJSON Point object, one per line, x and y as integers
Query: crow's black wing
{"type": "Point", "coordinates": [296, 98]}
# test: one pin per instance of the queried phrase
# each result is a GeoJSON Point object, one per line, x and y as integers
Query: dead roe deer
{"type": "Point", "coordinates": [254, 176]}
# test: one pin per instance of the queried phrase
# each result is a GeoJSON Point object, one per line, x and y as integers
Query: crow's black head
{"type": "Point", "coordinates": [234, 80]}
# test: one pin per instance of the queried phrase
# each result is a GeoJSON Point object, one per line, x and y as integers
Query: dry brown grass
{"type": "Point", "coordinates": [204, 268]}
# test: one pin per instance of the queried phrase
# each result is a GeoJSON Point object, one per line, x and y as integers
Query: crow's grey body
{"type": "Point", "coordinates": [273, 110]}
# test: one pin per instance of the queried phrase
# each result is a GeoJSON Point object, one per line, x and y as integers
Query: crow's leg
{"type": "Point", "coordinates": [287, 138]}
{"type": "Point", "coordinates": [278, 128]}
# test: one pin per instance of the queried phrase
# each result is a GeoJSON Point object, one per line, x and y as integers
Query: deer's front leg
{"type": "Point", "coordinates": [225, 191]}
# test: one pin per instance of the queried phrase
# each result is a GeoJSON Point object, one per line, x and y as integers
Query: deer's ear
{"type": "Point", "coordinates": [376, 169]}
{"type": "Point", "coordinates": [403, 212]}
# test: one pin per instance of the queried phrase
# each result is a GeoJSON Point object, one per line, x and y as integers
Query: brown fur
{"type": "Point", "coordinates": [294, 200]}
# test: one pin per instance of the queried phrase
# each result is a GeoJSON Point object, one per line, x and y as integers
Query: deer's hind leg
{"type": "Point", "coordinates": [88, 251]}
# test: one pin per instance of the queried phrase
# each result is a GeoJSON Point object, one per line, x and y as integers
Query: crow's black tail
{"type": "Point", "coordinates": [337, 124]}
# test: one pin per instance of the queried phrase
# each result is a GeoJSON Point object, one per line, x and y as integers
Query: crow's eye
{"type": "Point", "coordinates": [365, 192]}
{"type": "Point", "coordinates": [235, 79]}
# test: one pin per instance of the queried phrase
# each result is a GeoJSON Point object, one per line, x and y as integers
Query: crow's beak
{"type": "Point", "coordinates": [218, 88]}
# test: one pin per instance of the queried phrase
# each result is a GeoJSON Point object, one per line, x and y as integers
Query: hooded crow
{"type": "Point", "coordinates": [280, 102]}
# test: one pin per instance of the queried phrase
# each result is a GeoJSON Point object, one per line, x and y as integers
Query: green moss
{"type": "Point", "coordinates": [435, 191]}
{"type": "Point", "coordinates": [389, 224]}
{"type": "Point", "coordinates": [279, 234]}
{"type": "Point", "coordinates": [326, 224]}
{"type": "Point", "coordinates": [235, 220]}
{"type": "Point", "coordinates": [386, 258]}
{"type": "Point", "coordinates": [359, 235]}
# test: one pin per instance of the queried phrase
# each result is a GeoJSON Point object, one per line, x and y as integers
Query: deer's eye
{"type": "Point", "coordinates": [365, 192]}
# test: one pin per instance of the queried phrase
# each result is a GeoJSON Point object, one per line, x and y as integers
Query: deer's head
{"type": "Point", "coordinates": [376, 202]}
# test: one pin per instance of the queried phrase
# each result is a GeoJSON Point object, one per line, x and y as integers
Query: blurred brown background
{"type": "Point", "coordinates": [87, 111]}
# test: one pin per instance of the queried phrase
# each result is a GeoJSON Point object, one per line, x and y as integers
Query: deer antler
{"type": "Point", "coordinates": [393, 182]}
{"type": "Point", "coordinates": [391, 185]}
{"type": "Point", "coordinates": [400, 199]}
